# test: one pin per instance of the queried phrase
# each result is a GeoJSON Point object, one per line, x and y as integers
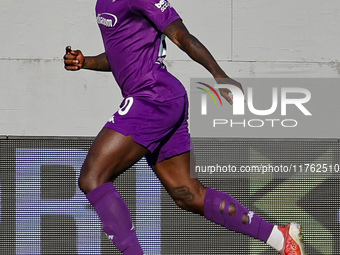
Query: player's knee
{"type": "Point", "coordinates": [88, 181]}
{"type": "Point", "coordinates": [85, 184]}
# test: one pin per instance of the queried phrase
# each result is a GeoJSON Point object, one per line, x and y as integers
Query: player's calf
{"type": "Point", "coordinates": [189, 199]}
{"type": "Point", "coordinates": [225, 210]}
{"type": "Point", "coordinates": [115, 216]}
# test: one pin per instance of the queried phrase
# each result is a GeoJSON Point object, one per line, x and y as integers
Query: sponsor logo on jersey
{"type": "Point", "coordinates": [107, 19]}
{"type": "Point", "coordinates": [162, 5]}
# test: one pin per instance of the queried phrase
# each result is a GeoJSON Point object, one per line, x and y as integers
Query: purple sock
{"type": "Point", "coordinates": [116, 219]}
{"type": "Point", "coordinates": [256, 227]}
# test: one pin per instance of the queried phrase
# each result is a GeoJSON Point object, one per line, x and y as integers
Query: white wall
{"type": "Point", "coordinates": [263, 38]}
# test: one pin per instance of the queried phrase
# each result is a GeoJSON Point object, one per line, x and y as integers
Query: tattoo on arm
{"type": "Point", "coordinates": [183, 193]}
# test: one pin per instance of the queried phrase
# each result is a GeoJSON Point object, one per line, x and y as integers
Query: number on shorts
{"type": "Point", "coordinates": [126, 107]}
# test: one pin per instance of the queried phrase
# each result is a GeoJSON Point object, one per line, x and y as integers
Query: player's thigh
{"type": "Point", "coordinates": [183, 187]}
{"type": "Point", "coordinates": [110, 154]}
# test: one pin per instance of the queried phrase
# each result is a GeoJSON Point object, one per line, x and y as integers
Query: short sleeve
{"type": "Point", "coordinates": [160, 12]}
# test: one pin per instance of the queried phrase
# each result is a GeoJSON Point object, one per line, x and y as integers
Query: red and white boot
{"type": "Point", "coordinates": [292, 239]}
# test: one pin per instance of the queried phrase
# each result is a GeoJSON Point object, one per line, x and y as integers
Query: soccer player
{"type": "Point", "coordinates": [152, 122]}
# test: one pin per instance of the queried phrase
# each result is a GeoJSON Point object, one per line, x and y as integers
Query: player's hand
{"type": "Point", "coordinates": [73, 59]}
{"type": "Point", "coordinates": [226, 93]}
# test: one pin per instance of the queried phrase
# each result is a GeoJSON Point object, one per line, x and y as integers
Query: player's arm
{"type": "Point", "coordinates": [178, 33]}
{"type": "Point", "coordinates": [75, 60]}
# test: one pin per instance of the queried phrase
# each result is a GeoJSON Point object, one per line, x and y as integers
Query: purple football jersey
{"type": "Point", "coordinates": [132, 32]}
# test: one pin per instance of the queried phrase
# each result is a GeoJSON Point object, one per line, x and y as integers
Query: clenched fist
{"type": "Point", "coordinates": [73, 59]}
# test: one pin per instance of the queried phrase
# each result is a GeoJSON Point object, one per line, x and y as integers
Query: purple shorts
{"type": "Point", "coordinates": [161, 127]}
